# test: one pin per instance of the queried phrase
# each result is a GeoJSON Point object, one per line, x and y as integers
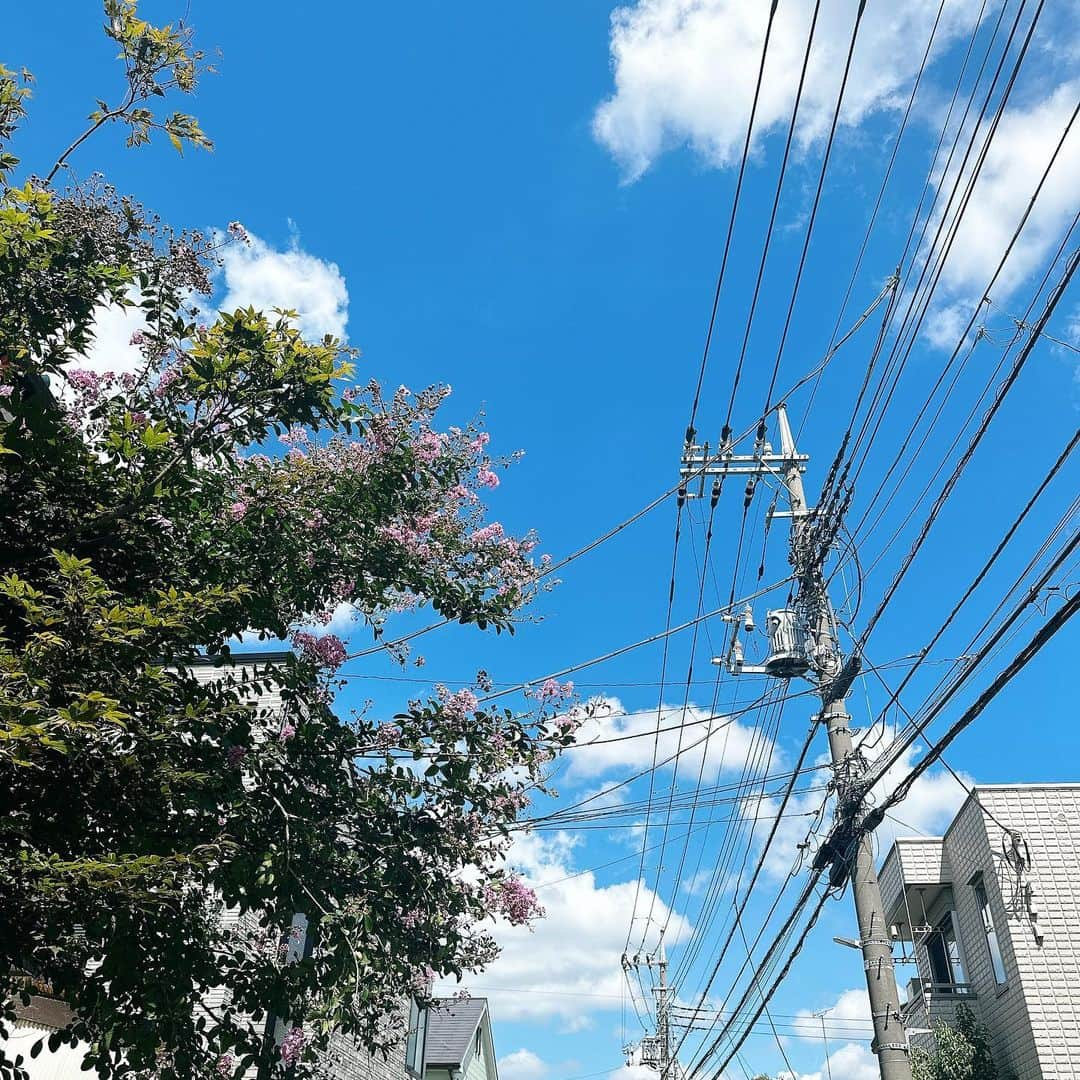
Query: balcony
{"type": "Point", "coordinates": [929, 1003]}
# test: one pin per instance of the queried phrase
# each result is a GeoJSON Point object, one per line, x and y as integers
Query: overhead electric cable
{"type": "Point", "coordinates": [731, 223]}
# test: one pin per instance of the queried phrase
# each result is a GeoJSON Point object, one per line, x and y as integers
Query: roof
{"type": "Point", "coordinates": [270, 656]}
{"type": "Point", "coordinates": [451, 1025]}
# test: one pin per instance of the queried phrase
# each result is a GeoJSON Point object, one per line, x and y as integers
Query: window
{"type": "Point", "coordinates": [946, 967]}
{"type": "Point", "coordinates": [479, 1043]}
{"type": "Point", "coordinates": [996, 960]}
{"type": "Point", "coordinates": [414, 1042]}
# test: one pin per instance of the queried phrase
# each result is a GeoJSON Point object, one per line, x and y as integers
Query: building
{"type": "Point", "coordinates": [989, 914]}
{"type": "Point", "coordinates": [458, 1043]}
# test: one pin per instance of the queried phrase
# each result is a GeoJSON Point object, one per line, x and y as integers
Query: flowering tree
{"type": "Point", "coordinates": [237, 480]}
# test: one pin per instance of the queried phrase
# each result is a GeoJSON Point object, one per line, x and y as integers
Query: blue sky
{"type": "Point", "coordinates": [528, 201]}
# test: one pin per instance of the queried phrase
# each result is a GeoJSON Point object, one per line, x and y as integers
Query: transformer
{"type": "Point", "coordinates": [787, 657]}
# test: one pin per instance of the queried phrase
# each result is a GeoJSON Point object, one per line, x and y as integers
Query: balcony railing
{"type": "Point", "coordinates": [929, 1001]}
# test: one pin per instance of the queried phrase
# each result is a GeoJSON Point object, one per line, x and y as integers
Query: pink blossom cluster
{"type": "Point", "coordinates": [428, 447]}
{"type": "Point", "coordinates": [514, 899]}
{"type": "Point", "coordinates": [486, 477]}
{"type": "Point", "coordinates": [238, 509]}
{"type": "Point", "coordinates": [225, 1065]}
{"type": "Point", "coordinates": [287, 731]}
{"type": "Point", "coordinates": [487, 534]}
{"type": "Point", "coordinates": [459, 705]}
{"type": "Point", "coordinates": [387, 736]}
{"type": "Point", "coordinates": [552, 692]}
{"type": "Point", "coordinates": [169, 374]}
{"type": "Point", "coordinates": [89, 382]}
{"type": "Point", "coordinates": [421, 981]}
{"type": "Point", "coordinates": [327, 651]}
{"type": "Point", "coordinates": [292, 1046]}
{"type": "Point", "coordinates": [6, 390]}
{"type": "Point", "coordinates": [510, 804]}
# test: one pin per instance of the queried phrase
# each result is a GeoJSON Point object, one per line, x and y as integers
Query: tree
{"type": "Point", "coordinates": [238, 481]}
{"type": "Point", "coordinates": [962, 1051]}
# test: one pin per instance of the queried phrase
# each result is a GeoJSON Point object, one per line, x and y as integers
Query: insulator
{"type": "Point", "coordinates": [715, 494]}
{"type": "Point", "coordinates": [748, 619]}
{"type": "Point", "coordinates": [681, 496]}
{"type": "Point", "coordinates": [748, 495]}
{"type": "Point", "coordinates": [690, 434]}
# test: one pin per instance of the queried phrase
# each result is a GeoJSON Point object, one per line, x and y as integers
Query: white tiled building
{"type": "Point", "coordinates": [990, 915]}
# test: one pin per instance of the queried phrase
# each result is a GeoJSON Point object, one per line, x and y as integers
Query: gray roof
{"type": "Point", "coordinates": [451, 1025]}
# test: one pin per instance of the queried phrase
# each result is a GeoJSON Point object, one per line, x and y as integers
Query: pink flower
{"type": "Point", "coordinates": [552, 691]}
{"type": "Point", "coordinates": [238, 232]}
{"type": "Point", "coordinates": [327, 651]}
{"type": "Point", "coordinates": [457, 706]}
{"type": "Point", "coordinates": [427, 447]}
{"type": "Point", "coordinates": [387, 736]}
{"type": "Point", "coordinates": [6, 390]}
{"type": "Point", "coordinates": [494, 531]}
{"type": "Point", "coordinates": [486, 478]}
{"type": "Point", "coordinates": [292, 1046]}
{"type": "Point", "coordinates": [514, 899]}
{"type": "Point", "coordinates": [89, 382]}
{"type": "Point", "coordinates": [225, 1065]}
{"type": "Point", "coordinates": [238, 509]}
{"type": "Point", "coordinates": [168, 376]}
{"type": "Point", "coordinates": [138, 338]}
{"type": "Point", "coordinates": [287, 732]}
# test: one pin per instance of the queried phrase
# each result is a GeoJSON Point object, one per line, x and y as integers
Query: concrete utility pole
{"type": "Point", "coordinates": [655, 1051]}
{"type": "Point", "coordinates": [802, 640]}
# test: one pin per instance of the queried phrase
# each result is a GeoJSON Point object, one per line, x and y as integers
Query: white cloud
{"type": "Point", "coordinates": [256, 274]}
{"type": "Point", "coordinates": [726, 750]}
{"type": "Point", "coordinates": [633, 1072]}
{"type": "Point", "coordinates": [848, 1018]}
{"type": "Point", "coordinates": [851, 1062]}
{"type": "Point", "coordinates": [568, 965]}
{"type": "Point", "coordinates": [112, 349]}
{"type": "Point", "coordinates": [522, 1064]}
{"type": "Point", "coordinates": [685, 71]}
{"type": "Point", "coordinates": [1019, 153]}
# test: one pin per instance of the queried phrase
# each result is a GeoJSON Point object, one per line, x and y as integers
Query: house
{"type": "Point", "coordinates": [989, 914]}
{"type": "Point", "coordinates": [458, 1042]}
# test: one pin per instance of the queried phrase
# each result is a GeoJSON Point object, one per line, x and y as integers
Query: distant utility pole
{"type": "Point", "coordinates": [802, 641]}
{"type": "Point", "coordinates": [655, 1051]}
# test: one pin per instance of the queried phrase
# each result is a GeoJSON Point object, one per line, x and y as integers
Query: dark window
{"type": "Point", "coordinates": [946, 966]}
{"type": "Point", "coordinates": [996, 960]}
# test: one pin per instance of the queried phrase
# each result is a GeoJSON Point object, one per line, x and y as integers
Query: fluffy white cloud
{"type": "Point", "coordinates": [1019, 153]}
{"type": "Point", "coordinates": [726, 749]}
{"type": "Point", "coordinates": [253, 274]}
{"type": "Point", "coordinates": [685, 71]}
{"type": "Point", "coordinates": [257, 274]}
{"type": "Point", "coordinates": [848, 1018]}
{"type": "Point", "coordinates": [568, 965]}
{"type": "Point", "coordinates": [522, 1064]}
{"type": "Point", "coordinates": [112, 349]}
{"type": "Point", "coordinates": [852, 1061]}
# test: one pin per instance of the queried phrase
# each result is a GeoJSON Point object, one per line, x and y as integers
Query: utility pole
{"type": "Point", "coordinates": [655, 1051]}
{"type": "Point", "coordinates": [802, 640]}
